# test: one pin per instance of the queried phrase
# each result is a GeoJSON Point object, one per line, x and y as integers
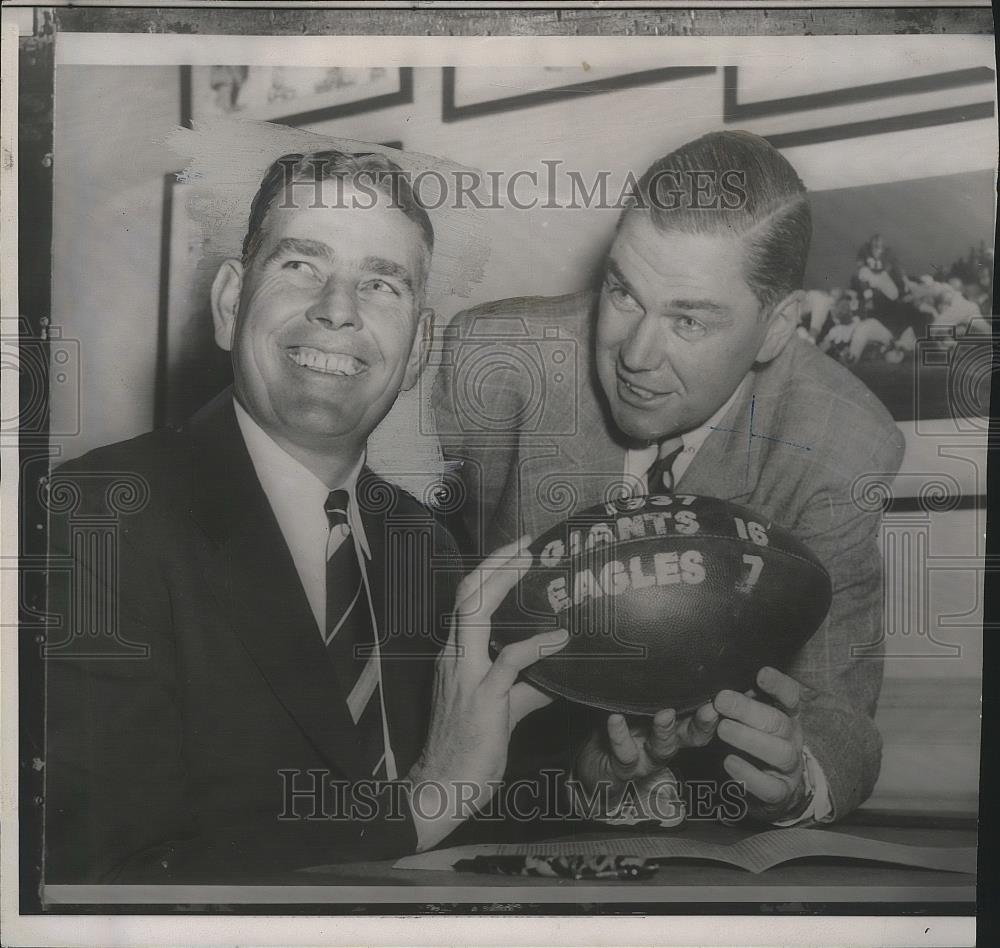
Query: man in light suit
{"type": "Point", "coordinates": [685, 371]}
{"type": "Point", "coordinates": [269, 661]}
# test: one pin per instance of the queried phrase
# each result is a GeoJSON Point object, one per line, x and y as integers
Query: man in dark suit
{"type": "Point", "coordinates": [685, 372]}
{"type": "Point", "coordinates": [269, 659]}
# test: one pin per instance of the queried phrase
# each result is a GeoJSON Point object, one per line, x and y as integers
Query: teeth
{"type": "Point", "coordinates": [642, 393]}
{"type": "Point", "coordinates": [329, 363]}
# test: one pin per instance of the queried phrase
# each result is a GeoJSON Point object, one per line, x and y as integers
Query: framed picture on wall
{"type": "Point", "coordinates": [470, 93]}
{"type": "Point", "coordinates": [826, 109]}
{"type": "Point", "coordinates": [190, 367]}
{"type": "Point", "coordinates": [290, 95]}
{"type": "Point", "coordinates": [900, 291]}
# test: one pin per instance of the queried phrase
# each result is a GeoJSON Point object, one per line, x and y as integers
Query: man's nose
{"type": "Point", "coordinates": [643, 350]}
{"type": "Point", "coordinates": [336, 308]}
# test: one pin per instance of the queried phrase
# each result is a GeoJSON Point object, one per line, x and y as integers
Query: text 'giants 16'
{"type": "Point", "coordinates": [668, 599]}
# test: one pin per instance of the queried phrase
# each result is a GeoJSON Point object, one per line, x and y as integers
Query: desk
{"type": "Point", "coordinates": [809, 885]}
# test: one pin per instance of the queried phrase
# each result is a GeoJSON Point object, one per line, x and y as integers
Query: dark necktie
{"type": "Point", "coordinates": [350, 635]}
{"type": "Point", "coordinates": [660, 477]}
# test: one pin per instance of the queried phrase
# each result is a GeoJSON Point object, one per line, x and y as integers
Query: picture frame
{"type": "Point", "coordinates": [935, 231]}
{"type": "Point", "coordinates": [957, 109]}
{"type": "Point", "coordinates": [542, 85]}
{"type": "Point", "coordinates": [290, 95]}
{"type": "Point", "coordinates": [733, 110]}
{"type": "Point", "coordinates": [190, 368]}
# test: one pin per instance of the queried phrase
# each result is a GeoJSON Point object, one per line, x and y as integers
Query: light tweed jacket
{"type": "Point", "coordinates": [523, 421]}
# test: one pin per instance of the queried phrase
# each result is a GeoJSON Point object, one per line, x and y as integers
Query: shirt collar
{"type": "Point", "coordinates": [291, 488]}
{"type": "Point", "coordinates": [638, 460]}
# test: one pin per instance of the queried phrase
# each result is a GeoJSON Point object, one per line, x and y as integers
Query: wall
{"type": "Point", "coordinates": [108, 199]}
{"type": "Point", "coordinates": [109, 195]}
{"type": "Point", "coordinates": [549, 251]}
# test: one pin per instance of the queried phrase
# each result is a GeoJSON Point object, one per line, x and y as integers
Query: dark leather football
{"type": "Point", "coordinates": [667, 599]}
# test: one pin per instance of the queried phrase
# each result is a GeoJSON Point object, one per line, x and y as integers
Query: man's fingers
{"type": "Point", "coordinates": [667, 735]}
{"type": "Point", "coordinates": [517, 656]}
{"type": "Point", "coordinates": [755, 714]}
{"type": "Point", "coordinates": [787, 691]}
{"type": "Point", "coordinates": [505, 552]}
{"type": "Point", "coordinates": [767, 788]}
{"type": "Point", "coordinates": [484, 588]}
{"type": "Point", "coordinates": [502, 555]}
{"type": "Point", "coordinates": [478, 596]}
{"type": "Point", "coordinates": [663, 741]}
{"type": "Point", "coordinates": [624, 749]}
{"type": "Point", "coordinates": [469, 589]}
{"type": "Point", "coordinates": [525, 698]}
{"type": "Point", "coordinates": [501, 581]}
{"type": "Point", "coordinates": [774, 751]}
{"type": "Point", "coordinates": [699, 728]}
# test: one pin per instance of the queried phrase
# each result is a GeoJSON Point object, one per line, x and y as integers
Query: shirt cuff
{"type": "Point", "coordinates": [819, 809]}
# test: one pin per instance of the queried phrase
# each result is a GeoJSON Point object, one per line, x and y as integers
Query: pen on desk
{"type": "Point", "coordinates": [560, 867]}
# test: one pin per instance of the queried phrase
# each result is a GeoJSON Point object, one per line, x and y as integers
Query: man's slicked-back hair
{"type": "Point", "coordinates": [737, 184]}
{"type": "Point", "coordinates": [283, 179]}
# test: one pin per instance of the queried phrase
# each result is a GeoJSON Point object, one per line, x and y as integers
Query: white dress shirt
{"type": "Point", "coordinates": [297, 497]}
{"type": "Point", "coordinates": [637, 464]}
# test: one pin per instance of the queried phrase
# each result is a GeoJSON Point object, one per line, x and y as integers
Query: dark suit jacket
{"type": "Point", "coordinates": [799, 449]}
{"type": "Point", "coordinates": [167, 732]}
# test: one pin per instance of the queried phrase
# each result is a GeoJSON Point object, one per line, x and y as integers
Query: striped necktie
{"type": "Point", "coordinates": [350, 636]}
{"type": "Point", "coordinates": [660, 476]}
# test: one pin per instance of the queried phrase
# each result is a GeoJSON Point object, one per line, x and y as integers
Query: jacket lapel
{"type": "Point", "coordinates": [252, 573]}
{"type": "Point", "coordinates": [725, 464]}
{"type": "Point", "coordinates": [730, 461]}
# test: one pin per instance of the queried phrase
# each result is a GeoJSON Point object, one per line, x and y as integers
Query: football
{"type": "Point", "coordinates": [668, 599]}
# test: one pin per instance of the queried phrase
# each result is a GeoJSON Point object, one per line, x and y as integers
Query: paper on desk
{"type": "Point", "coordinates": [755, 853]}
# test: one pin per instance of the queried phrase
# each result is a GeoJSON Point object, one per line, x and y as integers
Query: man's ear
{"type": "Point", "coordinates": [781, 326]}
{"type": "Point", "coordinates": [421, 350]}
{"type": "Point", "coordinates": [226, 288]}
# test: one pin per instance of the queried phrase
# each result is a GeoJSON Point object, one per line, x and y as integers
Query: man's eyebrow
{"type": "Point", "coordinates": [616, 272]}
{"type": "Point", "coordinates": [701, 306]}
{"type": "Point", "coordinates": [301, 246]}
{"type": "Point", "coordinates": [692, 305]}
{"type": "Point", "coordinates": [388, 268]}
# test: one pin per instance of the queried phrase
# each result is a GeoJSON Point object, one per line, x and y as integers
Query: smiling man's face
{"type": "Point", "coordinates": [324, 322]}
{"type": "Point", "coordinates": [678, 328]}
